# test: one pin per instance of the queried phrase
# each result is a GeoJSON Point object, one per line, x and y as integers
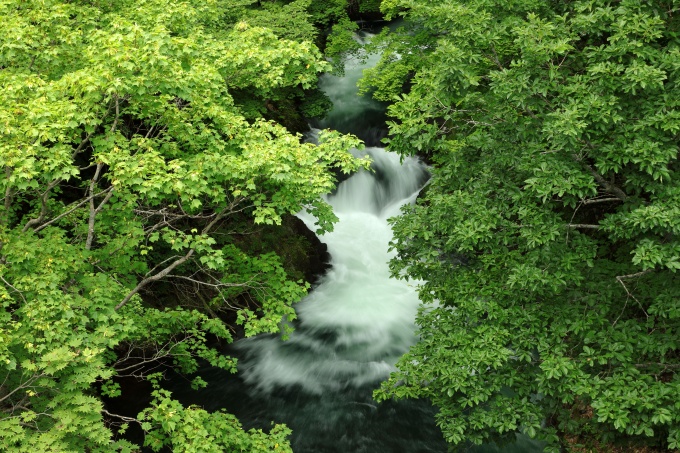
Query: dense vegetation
{"type": "Point", "coordinates": [139, 160]}
{"type": "Point", "coordinates": [151, 163]}
{"type": "Point", "coordinates": [548, 237]}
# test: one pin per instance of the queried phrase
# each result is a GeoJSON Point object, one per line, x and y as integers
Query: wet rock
{"type": "Point", "coordinates": [316, 261]}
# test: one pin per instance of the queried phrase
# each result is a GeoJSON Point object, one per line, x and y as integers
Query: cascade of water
{"type": "Point", "coordinates": [358, 320]}
{"type": "Point", "coordinates": [352, 327]}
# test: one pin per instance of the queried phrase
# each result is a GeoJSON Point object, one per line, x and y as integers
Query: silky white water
{"type": "Point", "coordinates": [353, 325]}
{"type": "Point", "coordinates": [357, 321]}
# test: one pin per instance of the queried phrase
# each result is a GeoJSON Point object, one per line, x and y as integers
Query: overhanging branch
{"type": "Point", "coordinates": [166, 271]}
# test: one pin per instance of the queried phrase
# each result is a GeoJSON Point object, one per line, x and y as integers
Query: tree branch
{"type": "Point", "coordinates": [637, 274]}
{"type": "Point", "coordinates": [212, 285]}
{"type": "Point", "coordinates": [583, 225]}
{"type": "Point", "coordinates": [621, 278]}
{"type": "Point", "coordinates": [23, 385]}
{"type": "Point", "coordinates": [79, 204]}
{"type": "Point", "coordinates": [94, 211]}
{"type": "Point", "coordinates": [10, 285]}
{"type": "Point", "coordinates": [121, 417]}
{"type": "Point", "coordinates": [173, 265]}
{"type": "Point", "coordinates": [495, 58]}
{"type": "Point", "coordinates": [155, 277]}
{"type": "Point", "coordinates": [610, 187]}
{"type": "Point", "coordinates": [599, 200]}
{"type": "Point", "coordinates": [43, 208]}
{"type": "Point", "coordinates": [86, 140]}
{"type": "Point", "coordinates": [8, 192]}
{"type": "Point", "coordinates": [82, 144]}
{"type": "Point", "coordinates": [664, 365]}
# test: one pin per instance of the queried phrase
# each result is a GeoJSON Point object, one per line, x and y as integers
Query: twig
{"type": "Point", "coordinates": [155, 277]}
{"type": "Point", "coordinates": [621, 278]}
{"type": "Point", "coordinates": [583, 225]}
{"type": "Point", "coordinates": [43, 206]}
{"type": "Point", "coordinates": [121, 417]}
{"type": "Point", "coordinates": [171, 267]}
{"type": "Point", "coordinates": [94, 211]}
{"type": "Point", "coordinates": [212, 285]}
{"type": "Point", "coordinates": [496, 59]}
{"type": "Point", "coordinates": [637, 274]}
{"type": "Point", "coordinates": [10, 285]}
{"type": "Point", "coordinates": [79, 204]}
{"type": "Point", "coordinates": [599, 200]}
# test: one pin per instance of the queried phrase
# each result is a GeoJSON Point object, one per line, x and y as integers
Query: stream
{"type": "Point", "coordinates": [353, 326]}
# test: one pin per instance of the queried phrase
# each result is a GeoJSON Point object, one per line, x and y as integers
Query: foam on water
{"type": "Point", "coordinates": [358, 320]}
{"type": "Point", "coordinates": [353, 326]}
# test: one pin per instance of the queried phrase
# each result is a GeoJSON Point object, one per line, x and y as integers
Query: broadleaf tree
{"type": "Point", "coordinates": [547, 241]}
{"type": "Point", "coordinates": [128, 165]}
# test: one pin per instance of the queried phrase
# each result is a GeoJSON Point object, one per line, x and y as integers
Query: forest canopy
{"type": "Point", "coordinates": [548, 236]}
{"type": "Point", "coordinates": [152, 161]}
{"type": "Point", "coordinates": [138, 154]}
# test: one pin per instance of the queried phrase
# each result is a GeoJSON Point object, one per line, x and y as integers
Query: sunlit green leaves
{"type": "Point", "coordinates": [129, 166]}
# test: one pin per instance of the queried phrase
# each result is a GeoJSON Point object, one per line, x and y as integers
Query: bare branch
{"type": "Point", "coordinates": [664, 365]}
{"type": "Point", "coordinates": [637, 274]}
{"type": "Point", "coordinates": [172, 266]}
{"type": "Point", "coordinates": [120, 417]}
{"type": "Point", "coordinates": [84, 142]}
{"type": "Point", "coordinates": [609, 187]}
{"type": "Point", "coordinates": [155, 277]}
{"type": "Point", "coordinates": [161, 264]}
{"type": "Point", "coordinates": [23, 385]}
{"type": "Point", "coordinates": [582, 225]}
{"type": "Point", "coordinates": [79, 204]}
{"type": "Point", "coordinates": [212, 285]}
{"type": "Point", "coordinates": [621, 278]}
{"type": "Point", "coordinates": [94, 211]}
{"type": "Point", "coordinates": [169, 217]}
{"type": "Point", "coordinates": [43, 208]}
{"type": "Point", "coordinates": [143, 361]}
{"type": "Point", "coordinates": [599, 200]}
{"type": "Point", "coordinates": [10, 285]}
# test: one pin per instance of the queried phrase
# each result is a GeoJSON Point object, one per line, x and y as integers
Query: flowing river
{"type": "Point", "coordinates": [354, 324]}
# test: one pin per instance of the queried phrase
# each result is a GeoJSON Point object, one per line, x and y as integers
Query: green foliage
{"type": "Point", "coordinates": [168, 424]}
{"type": "Point", "coordinates": [341, 43]}
{"type": "Point", "coordinates": [328, 12]}
{"type": "Point", "coordinates": [289, 21]}
{"type": "Point", "coordinates": [548, 237]}
{"type": "Point", "coordinates": [127, 165]}
{"type": "Point", "coordinates": [316, 104]}
{"type": "Point", "coordinates": [369, 6]}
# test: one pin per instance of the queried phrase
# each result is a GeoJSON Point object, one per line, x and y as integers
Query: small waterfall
{"type": "Point", "coordinates": [352, 327]}
{"type": "Point", "coordinates": [358, 320]}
